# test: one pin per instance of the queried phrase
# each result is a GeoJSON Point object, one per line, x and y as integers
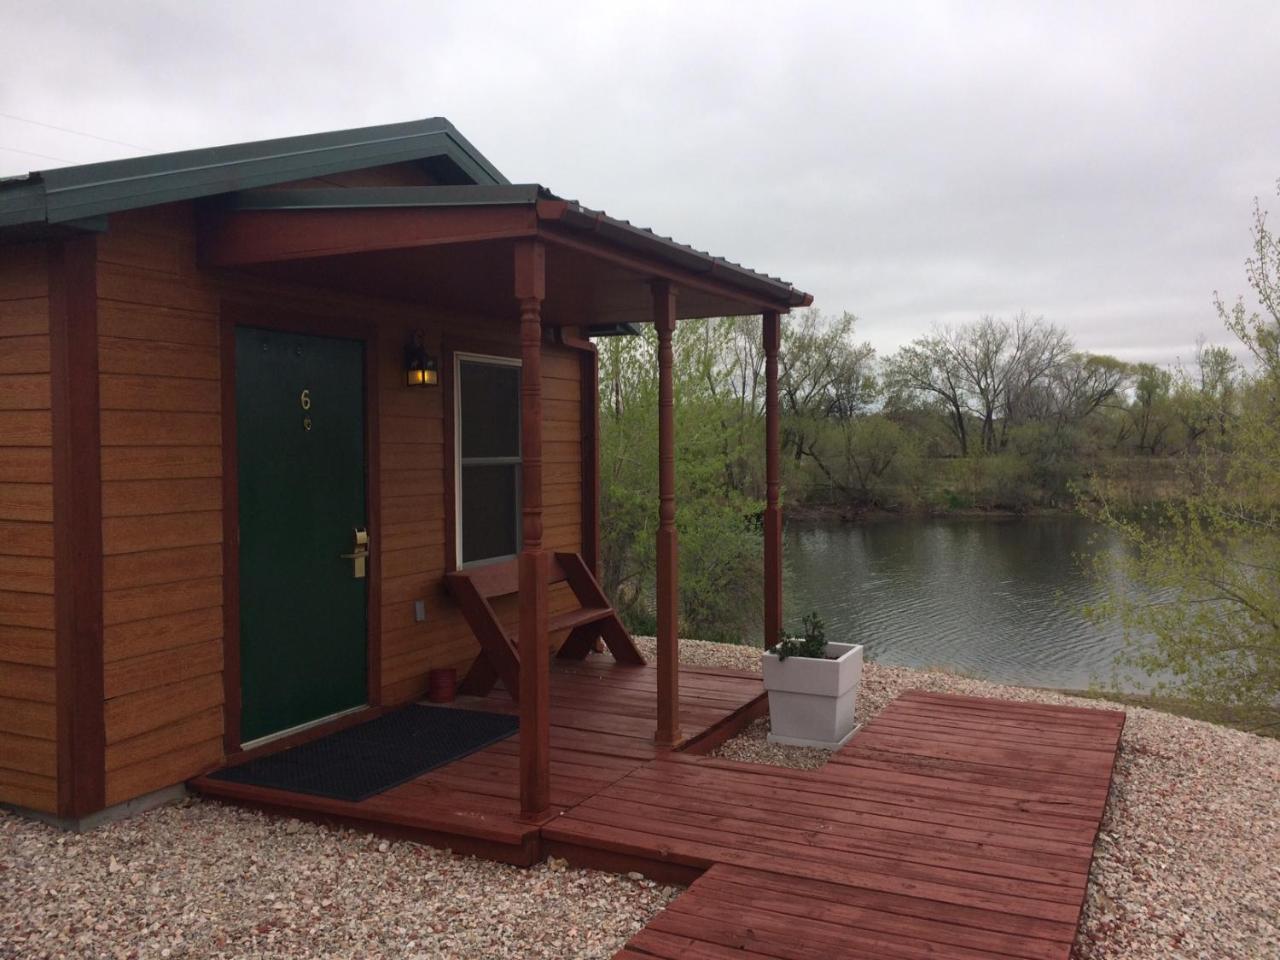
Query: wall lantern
{"type": "Point", "coordinates": [420, 367]}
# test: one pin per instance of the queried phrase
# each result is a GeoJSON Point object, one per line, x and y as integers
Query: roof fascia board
{"type": "Point", "coordinates": [468, 157]}
{"type": "Point", "coordinates": [347, 198]}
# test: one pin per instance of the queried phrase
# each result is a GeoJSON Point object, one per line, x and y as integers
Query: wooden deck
{"type": "Point", "coordinates": [602, 728]}
{"type": "Point", "coordinates": [949, 826]}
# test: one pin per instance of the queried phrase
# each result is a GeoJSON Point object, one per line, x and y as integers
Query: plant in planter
{"type": "Point", "coordinates": [813, 688]}
{"type": "Point", "coordinates": [812, 644]}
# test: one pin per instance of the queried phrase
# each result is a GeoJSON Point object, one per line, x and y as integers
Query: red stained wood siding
{"type": "Point", "coordinates": [28, 714]}
{"type": "Point", "coordinates": [162, 463]}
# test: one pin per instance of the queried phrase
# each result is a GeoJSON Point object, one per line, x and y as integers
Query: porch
{"type": "Point", "coordinates": [549, 274]}
{"type": "Point", "coordinates": [602, 716]}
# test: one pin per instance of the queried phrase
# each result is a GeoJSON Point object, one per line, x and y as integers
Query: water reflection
{"type": "Point", "coordinates": [995, 598]}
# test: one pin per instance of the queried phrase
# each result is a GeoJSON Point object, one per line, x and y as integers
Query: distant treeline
{"type": "Point", "coordinates": [994, 414]}
{"type": "Point", "coordinates": [997, 414]}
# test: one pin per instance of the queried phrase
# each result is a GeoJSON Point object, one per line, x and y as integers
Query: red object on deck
{"type": "Point", "coordinates": [442, 685]}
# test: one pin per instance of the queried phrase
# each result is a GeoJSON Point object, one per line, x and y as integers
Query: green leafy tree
{"type": "Point", "coordinates": [1150, 409]}
{"type": "Point", "coordinates": [721, 546]}
{"type": "Point", "coordinates": [1209, 561]}
{"type": "Point", "coordinates": [1205, 398]}
{"type": "Point", "coordinates": [824, 376]}
{"type": "Point", "coordinates": [869, 460]}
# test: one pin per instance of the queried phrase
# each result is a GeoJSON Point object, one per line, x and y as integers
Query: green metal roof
{"type": "Point", "coordinates": [76, 195]}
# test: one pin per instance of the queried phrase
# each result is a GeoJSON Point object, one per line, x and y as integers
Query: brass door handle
{"type": "Point", "coordinates": [359, 554]}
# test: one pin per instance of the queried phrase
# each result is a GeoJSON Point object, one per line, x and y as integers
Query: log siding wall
{"type": "Point", "coordinates": [159, 376]}
{"type": "Point", "coordinates": [28, 716]}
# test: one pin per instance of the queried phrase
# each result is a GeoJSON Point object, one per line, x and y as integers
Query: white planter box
{"type": "Point", "coordinates": [811, 701]}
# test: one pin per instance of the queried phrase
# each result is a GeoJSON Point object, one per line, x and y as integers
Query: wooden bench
{"type": "Point", "coordinates": [593, 619]}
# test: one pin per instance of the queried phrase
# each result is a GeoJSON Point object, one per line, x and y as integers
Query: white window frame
{"type": "Point", "coordinates": [459, 358]}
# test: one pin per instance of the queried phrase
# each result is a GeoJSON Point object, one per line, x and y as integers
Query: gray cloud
{"type": "Point", "coordinates": [912, 163]}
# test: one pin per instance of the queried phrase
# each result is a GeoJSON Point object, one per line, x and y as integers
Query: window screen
{"type": "Point", "coordinates": [488, 424]}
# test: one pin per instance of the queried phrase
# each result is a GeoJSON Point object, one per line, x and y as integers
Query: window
{"type": "Point", "coordinates": [487, 453]}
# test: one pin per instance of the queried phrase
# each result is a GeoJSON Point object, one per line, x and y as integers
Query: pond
{"type": "Point", "coordinates": [1000, 599]}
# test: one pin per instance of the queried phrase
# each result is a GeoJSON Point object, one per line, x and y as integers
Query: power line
{"type": "Point", "coordinates": [43, 156]}
{"type": "Point", "coordinates": [78, 133]}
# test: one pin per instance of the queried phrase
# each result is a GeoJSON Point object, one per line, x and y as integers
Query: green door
{"type": "Point", "coordinates": [300, 435]}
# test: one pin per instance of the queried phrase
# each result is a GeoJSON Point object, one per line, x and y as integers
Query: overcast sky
{"type": "Point", "coordinates": [910, 163]}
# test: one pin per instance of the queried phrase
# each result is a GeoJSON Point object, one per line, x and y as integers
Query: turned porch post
{"type": "Point", "coordinates": [532, 565]}
{"type": "Point", "coordinates": [772, 458]}
{"type": "Point", "coordinates": [664, 320]}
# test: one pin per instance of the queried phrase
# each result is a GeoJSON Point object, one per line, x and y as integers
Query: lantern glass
{"type": "Point", "coordinates": [420, 367]}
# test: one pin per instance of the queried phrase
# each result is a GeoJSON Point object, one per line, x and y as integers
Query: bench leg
{"type": "Point", "coordinates": [580, 642]}
{"type": "Point", "coordinates": [619, 641]}
{"type": "Point", "coordinates": [480, 679]}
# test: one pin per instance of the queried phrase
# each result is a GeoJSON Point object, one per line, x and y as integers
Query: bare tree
{"type": "Point", "coordinates": [928, 368]}
{"type": "Point", "coordinates": [984, 371]}
{"type": "Point", "coordinates": [980, 350]}
{"type": "Point", "coordinates": [1037, 351]}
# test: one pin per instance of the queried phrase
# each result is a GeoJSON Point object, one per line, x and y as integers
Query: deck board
{"type": "Point", "coordinates": [948, 826]}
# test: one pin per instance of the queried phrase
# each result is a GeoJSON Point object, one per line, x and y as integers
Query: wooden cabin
{"type": "Point", "coordinates": [286, 425]}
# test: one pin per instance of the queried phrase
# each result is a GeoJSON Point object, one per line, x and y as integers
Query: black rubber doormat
{"type": "Point", "coordinates": [365, 760]}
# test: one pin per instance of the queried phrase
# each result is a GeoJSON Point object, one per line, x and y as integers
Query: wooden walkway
{"type": "Point", "coordinates": [948, 827]}
{"type": "Point", "coordinates": [602, 727]}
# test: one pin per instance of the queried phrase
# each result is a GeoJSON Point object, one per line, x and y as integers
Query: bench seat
{"type": "Point", "coordinates": [592, 620]}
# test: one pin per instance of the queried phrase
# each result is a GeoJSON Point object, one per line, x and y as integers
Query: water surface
{"type": "Point", "coordinates": [996, 598]}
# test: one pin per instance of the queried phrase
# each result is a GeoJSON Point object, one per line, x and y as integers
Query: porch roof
{"type": "Point", "coordinates": [453, 244]}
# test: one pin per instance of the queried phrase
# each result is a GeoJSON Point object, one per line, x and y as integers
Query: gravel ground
{"type": "Point", "coordinates": [1188, 861]}
{"type": "Point", "coordinates": [199, 879]}
{"type": "Point", "coordinates": [1188, 866]}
